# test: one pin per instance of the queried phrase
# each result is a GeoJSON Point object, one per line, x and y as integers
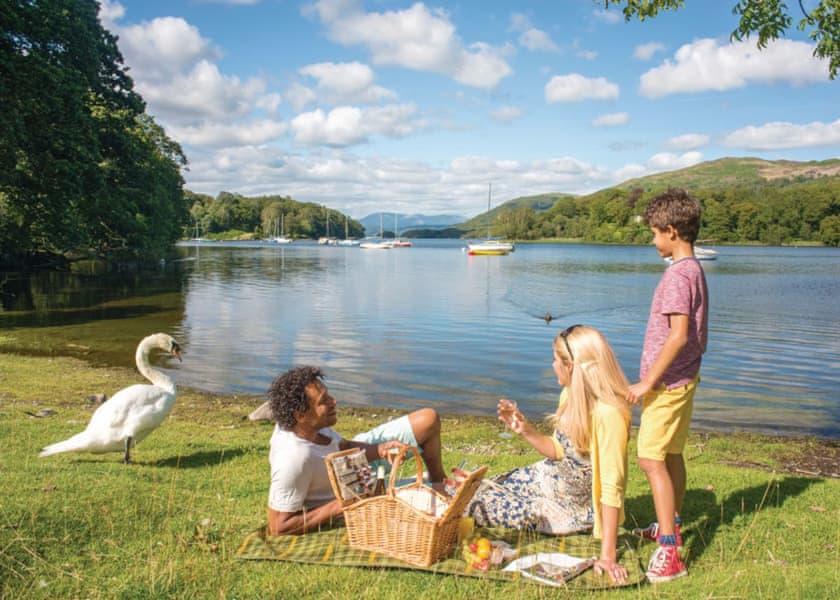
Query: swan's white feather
{"type": "Point", "coordinates": [132, 412]}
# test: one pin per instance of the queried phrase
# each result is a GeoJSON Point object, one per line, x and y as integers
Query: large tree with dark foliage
{"type": "Point", "coordinates": [83, 169]}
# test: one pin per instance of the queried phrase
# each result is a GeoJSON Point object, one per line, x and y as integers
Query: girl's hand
{"type": "Point", "coordinates": [617, 572]}
{"type": "Point", "coordinates": [509, 415]}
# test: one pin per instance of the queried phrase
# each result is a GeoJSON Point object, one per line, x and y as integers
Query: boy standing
{"type": "Point", "coordinates": [675, 340]}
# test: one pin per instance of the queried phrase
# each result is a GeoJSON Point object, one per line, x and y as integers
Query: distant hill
{"type": "Point", "coordinates": [726, 173]}
{"type": "Point", "coordinates": [477, 226]}
{"type": "Point", "coordinates": [408, 222]}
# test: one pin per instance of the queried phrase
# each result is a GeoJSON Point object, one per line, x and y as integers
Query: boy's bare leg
{"type": "Point", "coordinates": [676, 470]}
{"type": "Point", "coordinates": [425, 423]}
{"type": "Point", "coordinates": [663, 493]}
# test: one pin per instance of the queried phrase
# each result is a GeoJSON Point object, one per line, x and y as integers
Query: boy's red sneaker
{"type": "Point", "coordinates": [651, 532]}
{"type": "Point", "coordinates": [665, 565]}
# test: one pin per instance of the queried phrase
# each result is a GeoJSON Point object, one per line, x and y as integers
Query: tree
{"type": "Point", "coordinates": [82, 167]}
{"type": "Point", "coordinates": [767, 19]}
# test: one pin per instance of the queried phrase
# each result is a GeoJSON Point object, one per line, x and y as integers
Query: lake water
{"type": "Point", "coordinates": [429, 325]}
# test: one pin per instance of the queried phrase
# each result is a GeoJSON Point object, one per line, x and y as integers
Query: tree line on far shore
{"type": "Point", "coordinates": [777, 213]}
{"type": "Point", "coordinates": [774, 214]}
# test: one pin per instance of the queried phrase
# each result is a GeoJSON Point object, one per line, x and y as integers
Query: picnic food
{"type": "Point", "coordinates": [482, 554]}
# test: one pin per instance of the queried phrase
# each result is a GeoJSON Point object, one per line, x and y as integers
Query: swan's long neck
{"type": "Point", "coordinates": [141, 357]}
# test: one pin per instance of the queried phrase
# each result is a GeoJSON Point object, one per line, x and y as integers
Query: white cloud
{"type": "Point", "coordinates": [228, 135]}
{"type": "Point", "coordinates": [667, 161]}
{"type": "Point", "coordinates": [575, 87]}
{"type": "Point", "coordinates": [536, 39]}
{"type": "Point", "coordinates": [611, 120]}
{"type": "Point", "coordinates": [163, 47]}
{"type": "Point", "coordinates": [348, 125]}
{"type": "Point", "coordinates": [506, 114]}
{"type": "Point", "coordinates": [688, 141]}
{"type": "Point", "coordinates": [608, 16]}
{"type": "Point", "coordinates": [413, 38]}
{"type": "Point", "coordinates": [646, 51]}
{"type": "Point", "coordinates": [173, 68]}
{"type": "Point", "coordinates": [587, 54]}
{"type": "Point", "coordinates": [202, 93]}
{"type": "Point", "coordinates": [529, 36]}
{"type": "Point", "coordinates": [664, 161]}
{"type": "Point", "coordinates": [346, 83]}
{"type": "Point", "coordinates": [299, 96]}
{"type": "Point", "coordinates": [707, 65]}
{"type": "Point", "coordinates": [783, 136]}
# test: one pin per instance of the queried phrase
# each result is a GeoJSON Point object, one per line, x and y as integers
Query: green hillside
{"type": "Point", "coordinates": [744, 200]}
{"type": "Point", "coordinates": [727, 173]}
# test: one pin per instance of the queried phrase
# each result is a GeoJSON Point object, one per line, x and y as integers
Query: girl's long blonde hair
{"type": "Point", "coordinates": [595, 376]}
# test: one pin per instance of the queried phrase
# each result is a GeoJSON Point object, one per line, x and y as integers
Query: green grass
{"type": "Point", "coordinates": [168, 526]}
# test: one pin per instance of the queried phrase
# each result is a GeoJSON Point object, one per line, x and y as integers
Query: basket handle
{"type": "Point", "coordinates": [398, 461]}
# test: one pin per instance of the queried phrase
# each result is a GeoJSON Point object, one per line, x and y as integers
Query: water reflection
{"type": "Point", "coordinates": [430, 325]}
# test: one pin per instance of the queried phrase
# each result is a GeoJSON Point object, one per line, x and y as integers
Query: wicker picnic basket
{"type": "Point", "coordinates": [393, 524]}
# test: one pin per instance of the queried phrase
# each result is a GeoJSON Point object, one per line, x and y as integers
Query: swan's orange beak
{"type": "Point", "coordinates": [176, 351]}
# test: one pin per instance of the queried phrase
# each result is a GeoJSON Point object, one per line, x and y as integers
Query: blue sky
{"type": "Point", "coordinates": [388, 105]}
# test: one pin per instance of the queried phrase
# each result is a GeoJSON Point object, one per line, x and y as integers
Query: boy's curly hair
{"type": "Point", "coordinates": [287, 394]}
{"type": "Point", "coordinates": [676, 208]}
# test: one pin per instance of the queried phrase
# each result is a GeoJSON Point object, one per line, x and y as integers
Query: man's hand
{"type": "Point", "coordinates": [386, 450]}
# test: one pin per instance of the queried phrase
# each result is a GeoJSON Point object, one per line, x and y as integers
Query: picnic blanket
{"type": "Point", "coordinates": [330, 547]}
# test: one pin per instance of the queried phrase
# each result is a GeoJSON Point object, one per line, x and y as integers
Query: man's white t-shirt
{"type": "Point", "coordinates": [298, 473]}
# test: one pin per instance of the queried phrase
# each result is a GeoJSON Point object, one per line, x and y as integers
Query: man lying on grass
{"type": "Point", "coordinates": [300, 497]}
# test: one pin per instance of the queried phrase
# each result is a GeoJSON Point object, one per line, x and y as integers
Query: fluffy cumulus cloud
{"type": "Point", "coordinates": [575, 87]}
{"type": "Point", "coordinates": [222, 134]}
{"type": "Point", "coordinates": [783, 136]}
{"type": "Point", "coordinates": [667, 161]}
{"type": "Point", "coordinates": [688, 141]}
{"type": "Point", "coordinates": [664, 161]}
{"type": "Point", "coordinates": [506, 114]}
{"type": "Point", "coordinates": [529, 36]}
{"type": "Point", "coordinates": [707, 64]}
{"type": "Point", "coordinates": [347, 125]}
{"type": "Point", "coordinates": [611, 120]}
{"type": "Point", "coordinates": [646, 51]}
{"type": "Point", "coordinates": [174, 68]}
{"type": "Point", "coordinates": [414, 38]}
{"type": "Point", "coordinates": [346, 83]}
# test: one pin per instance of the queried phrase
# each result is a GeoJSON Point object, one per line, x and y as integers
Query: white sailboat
{"type": "Point", "coordinates": [377, 243]}
{"type": "Point", "coordinates": [398, 243]}
{"type": "Point", "coordinates": [347, 241]}
{"type": "Point", "coordinates": [197, 236]}
{"type": "Point", "coordinates": [327, 240]}
{"type": "Point", "coordinates": [490, 246]}
{"type": "Point", "coordinates": [281, 239]}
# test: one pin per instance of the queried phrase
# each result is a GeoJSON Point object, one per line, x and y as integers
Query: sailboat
{"type": "Point", "coordinates": [347, 241]}
{"type": "Point", "coordinates": [490, 247]}
{"type": "Point", "coordinates": [398, 243]}
{"type": "Point", "coordinates": [281, 239]}
{"type": "Point", "coordinates": [327, 240]}
{"type": "Point", "coordinates": [197, 237]}
{"type": "Point", "coordinates": [377, 243]}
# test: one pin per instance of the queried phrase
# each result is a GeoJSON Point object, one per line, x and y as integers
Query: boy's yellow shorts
{"type": "Point", "coordinates": [666, 415]}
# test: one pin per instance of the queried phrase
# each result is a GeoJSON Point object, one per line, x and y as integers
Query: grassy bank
{"type": "Point", "coordinates": [761, 518]}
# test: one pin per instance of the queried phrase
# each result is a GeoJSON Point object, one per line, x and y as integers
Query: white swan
{"type": "Point", "coordinates": [131, 414]}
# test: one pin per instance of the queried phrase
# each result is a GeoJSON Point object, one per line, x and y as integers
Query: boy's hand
{"type": "Point", "coordinates": [637, 392]}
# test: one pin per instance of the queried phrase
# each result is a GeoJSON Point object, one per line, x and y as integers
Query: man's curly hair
{"type": "Point", "coordinates": [287, 394]}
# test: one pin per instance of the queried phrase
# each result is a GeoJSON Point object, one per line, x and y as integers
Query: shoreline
{"type": "Point", "coordinates": [26, 391]}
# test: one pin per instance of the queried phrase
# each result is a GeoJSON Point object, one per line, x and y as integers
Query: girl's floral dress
{"type": "Point", "coordinates": [551, 496]}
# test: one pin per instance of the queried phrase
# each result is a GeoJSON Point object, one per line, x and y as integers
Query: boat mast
{"type": "Point", "coordinates": [489, 193]}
